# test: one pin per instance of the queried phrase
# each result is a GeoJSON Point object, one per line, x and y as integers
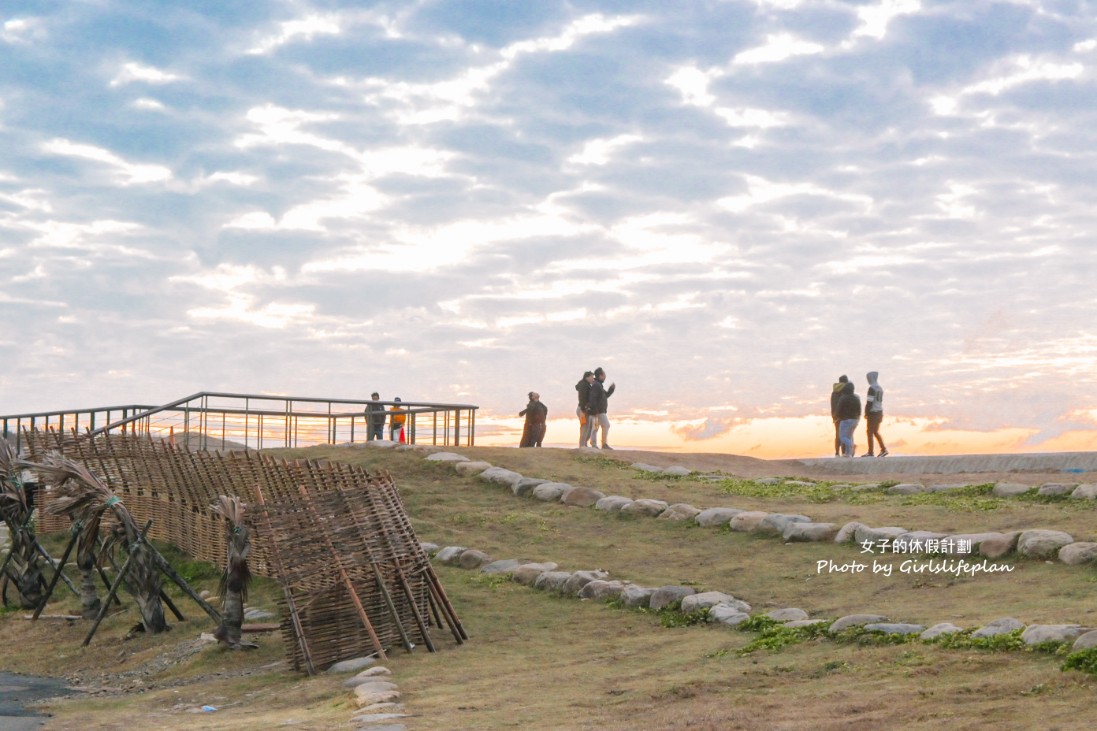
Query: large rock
{"type": "Point", "coordinates": [942, 628]}
{"type": "Point", "coordinates": [1056, 489]}
{"type": "Point", "coordinates": [552, 581]}
{"type": "Point", "coordinates": [709, 599]}
{"type": "Point", "coordinates": [1010, 489]}
{"type": "Point", "coordinates": [550, 492]}
{"type": "Point", "coordinates": [677, 471]}
{"type": "Point", "coordinates": [679, 511]}
{"type": "Point", "coordinates": [369, 693]}
{"type": "Point", "coordinates": [972, 542]}
{"type": "Point", "coordinates": [352, 665]}
{"type": "Point", "coordinates": [855, 620]}
{"type": "Point", "coordinates": [644, 507]}
{"type": "Point", "coordinates": [1080, 552]}
{"type": "Point", "coordinates": [1042, 543]}
{"type": "Point", "coordinates": [666, 596]}
{"type": "Point", "coordinates": [848, 532]}
{"type": "Point", "coordinates": [504, 566]}
{"type": "Point", "coordinates": [636, 596]}
{"type": "Point", "coordinates": [470, 468]}
{"type": "Point", "coordinates": [810, 532]}
{"type": "Point", "coordinates": [998, 546]}
{"type": "Point", "coordinates": [1001, 626]}
{"type": "Point", "coordinates": [581, 497]}
{"type": "Point", "coordinates": [612, 503]}
{"type": "Point", "coordinates": [644, 467]}
{"type": "Point", "coordinates": [727, 615]}
{"type": "Point", "coordinates": [446, 457]}
{"type": "Point", "coordinates": [789, 614]}
{"type": "Point", "coordinates": [895, 628]}
{"type": "Point", "coordinates": [716, 517]}
{"type": "Point", "coordinates": [1085, 641]}
{"type": "Point", "coordinates": [450, 555]}
{"type": "Point", "coordinates": [602, 590]}
{"type": "Point", "coordinates": [500, 476]}
{"type": "Point", "coordinates": [473, 559]}
{"type": "Point", "coordinates": [916, 541]}
{"type": "Point", "coordinates": [774, 523]}
{"type": "Point", "coordinates": [524, 487]}
{"type": "Point", "coordinates": [1087, 491]}
{"type": "Point", "coordinates": [1037, 634]}
{"type": "Point", "coordinates": [527, 573]}
{"type": "Point", "coordinates": [880, 538]}
{"type": "Point", "coordinates": [746, 521]}
{"type": "Point", "coordinates": [906, 488]}
{"type": "Point", "coordinates": [579, 579]}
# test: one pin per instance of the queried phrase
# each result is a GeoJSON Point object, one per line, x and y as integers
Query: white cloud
{"type": "Point", "coordinates": [601, 151]}
{"type": "Point", "coordinates": [778, 47]}
{"type": "Point", "coordinates": [306, 28]}
{"type": "Point", "coordinates": [123, 172]}
{"type": "Point", "coordinates": [134, 72]}
{"type": "Point", "coordinates": [874, 19]}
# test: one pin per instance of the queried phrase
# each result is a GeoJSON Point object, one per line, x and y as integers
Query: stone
{"type": "Point", "coordinates": [551, 581]}
{"type": "Point", "coordinates": [579, 579]}
{"type": "Point", "coordinates": [848, 532]}
{"type": "Point", "coordinates": [550, 492]}
{"type": "Point", "coordinates": [866, 486]}
{"type": "Point", "coordinates": [906, 488]}
{"type": "Point", "coordinates": [473, 559]}
{"type": "Point", "coordinates": [1042, 543]}
{"type": "Point", "coordinates": [895, 628]}
{"type": "Point", "coordinates": [375, 671]}
{"type": "Point", "coordinates": [1085, 641]}
{"type": "Point", "coordinates": [946, 488]}
{"type": "Point", "coordinates": [746, 521]}
{"type": "Point", "coordinates": [794, 624]}
{"type": "Point", "coordinates": [798, 483]}
{"type": "Point", "coordinates": [996, 547]}
{"type": "Point", "coordinates": [373, 683]}
{"type": "Point", "coordinates": [429, 548]}
{"type": "Point", "coordinates": [446, 457]}
{"type": "Point", "coordinates": [666, 596]}
{"type": "Point", "coordinates": [502, 566]}
{"type": "Point", "coordinates": [450, 555]}
{"type": "Point", "coordinates": [470, 468]}
{"type": "Point", "coordinates": [715, 517]}
{"type": "Point", "coordinates": [257, 615]}
{"type": "Point", "coordinates": [728, 615]}
{"type": "Point", "coordinates": [500, 476]}
{"type": "Point", "coordinates": [1010, 489]}
{"type": "Point", "coordinates": [1000, 626]}
{"type": "Point", "coordinates": [527, 574]}
{"type": "Point", "coordinates": [1037, 634]}
{"type": "Point", "coordinates": [581, 497]}
{"type": "Point", "coordinates": [634, 596]}
{"type": "Point", "coordinates": [877, 535]}
{"type": "Point", "coordinates": [364, 695]}
{"type": "Point", "coordinates": [644, 507]}
{"type": "Point", "coordinates": [643, 467]}
{"type": "Point", "coordinates": [602, 590]}
{"type": "Point", "coordinates": [679, 511]}
{"type": "Point", "coordinates": [810, 532]}
{"type": "Point", "coordinates": [1056, 489]}
{"type": "Point", "coordinates": [380, 444]}
{"type": "Point", "coordinates": [612, 503]}
{"type": "Point", "coordinates": [855, 620]}
{"type": "Point", "coordinates": [352, 665]}
{"type": "Point", "coordinates": [708, 599]}
{"type": "Point", "coordinates": [972, 541]}
{"type": "Point", "coordinates": [774, 523]}
{"type": "Point", "coordinates": [1080, 552]}
{"type": "Point", "coordinates": [677, 471]}
{"type": "Point", "coordinates": [1086, 491]}
{"type": "Point", "coordinates": [915, 541]}
{"type": "Point", "coordinates": [524, 487]}
{"type": "Point", "coordinates": [791, 614]}
{"type": "Point", "coordinates": [942, 628]}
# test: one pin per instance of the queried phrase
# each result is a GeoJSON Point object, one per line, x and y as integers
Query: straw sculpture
{"type": "Point", "coordinates": [81, 496]}
{"type": "Point", "coordinates": [21, 566]}
{"type": "Point", "coordinates": [234, 580]}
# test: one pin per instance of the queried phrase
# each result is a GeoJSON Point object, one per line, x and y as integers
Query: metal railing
{"type": "Point", "coordinates": [220, 421]}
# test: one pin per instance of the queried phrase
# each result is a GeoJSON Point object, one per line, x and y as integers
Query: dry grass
{"type": "Point", "coordinates": [537, 661]}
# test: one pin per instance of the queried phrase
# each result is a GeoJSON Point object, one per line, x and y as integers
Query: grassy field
{"type": "Point", "coordinates": [538, 661]}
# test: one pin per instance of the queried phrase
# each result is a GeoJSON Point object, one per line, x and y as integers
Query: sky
{"type": "Point", "coordinates": [724, 204]}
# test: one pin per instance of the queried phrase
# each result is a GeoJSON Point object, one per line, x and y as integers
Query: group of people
{"type": "Point", "coordinates": [376, 415]}
{"type": "Point", "coordinates": [845, 411]}
{"type": "Point", "coordinates": [591, 411]}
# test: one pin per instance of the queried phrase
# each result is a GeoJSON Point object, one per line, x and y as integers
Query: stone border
{"type": "Point", "coordinates": [793, 528]}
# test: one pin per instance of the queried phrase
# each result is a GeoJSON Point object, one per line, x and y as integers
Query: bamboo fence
{"type": "Point", "coordinates": [336, 537]}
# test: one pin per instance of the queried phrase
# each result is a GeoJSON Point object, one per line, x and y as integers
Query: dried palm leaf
{"type": "Point", "coordinates": [235, 579]}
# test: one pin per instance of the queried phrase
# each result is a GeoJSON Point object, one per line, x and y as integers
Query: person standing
{"type": "Point", "coordinates": [582, 411]}
{"type": "Point", "coordinates": [835, 394]}
{"type": "Point", "coordinates": [533, 433]}
{"type": "Point", "coordinates": [396, 421]}
{"type": "Point", "coordinates": [874, 413]}
{"type": "Point", "coordinates": [849, 413]}
{"type": "Point", "coordinates": [375, 416]}
{"type": "Point", "coordinates": [599, 404]}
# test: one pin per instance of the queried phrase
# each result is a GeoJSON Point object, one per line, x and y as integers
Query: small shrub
{"type": "Point", "coordinates": [1084, 660]}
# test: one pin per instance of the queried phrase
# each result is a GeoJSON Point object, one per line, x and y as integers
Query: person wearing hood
{"type": "Point", "coordinates": [874, 413]}
{"type": "Point", "coordinates": [599, 405]}
{"type": "Point", "coordinates": [533, 433]}
{"type": "Point", "coordinates": [835, 394]}
{"type": "Point", "coordinates": [582, 411]}
{"type": "Point", "coordinates": [849, 413]}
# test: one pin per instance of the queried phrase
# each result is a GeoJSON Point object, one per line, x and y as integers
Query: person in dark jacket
{"type": "Point", "coordinates": [849, 414]}
{"type": "Point", "coordinates": [375, 414]}
{"type": "Point", "coordinates": [835, 394]}
{"type": "Point", "coordinates": [874, 413]}
{"type": "Point", "coordinates": [533, 433]}
{"type": "Point", "coordinates": [582, 411]}
{"type": "Point", "coordinates": [599, 404]}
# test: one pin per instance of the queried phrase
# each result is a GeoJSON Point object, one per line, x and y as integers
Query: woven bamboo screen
{"type": "Point", "coordinates": [336, 537]}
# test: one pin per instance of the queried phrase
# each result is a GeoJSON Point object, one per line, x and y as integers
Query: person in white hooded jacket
{"type": "Point", "coordinates": [874, 413]}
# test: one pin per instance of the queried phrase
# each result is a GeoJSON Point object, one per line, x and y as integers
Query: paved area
{"type": "Point", "coordinates": [1065, 462]}
{"type": "Point", "coordinates": [16, 691]}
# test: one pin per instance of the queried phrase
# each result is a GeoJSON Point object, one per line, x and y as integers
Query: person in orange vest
{"type": "Point", "coordinates": [396, 422]}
